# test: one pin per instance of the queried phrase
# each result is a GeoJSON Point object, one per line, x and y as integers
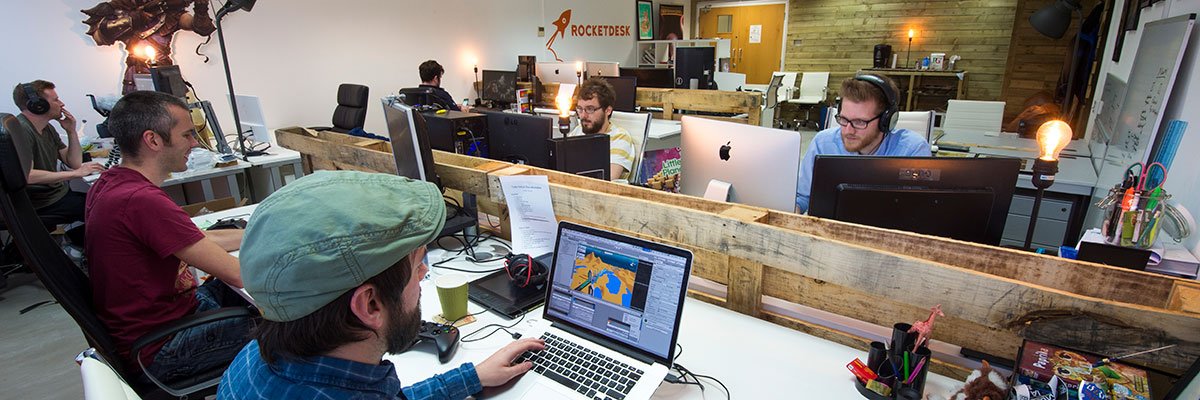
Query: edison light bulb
{"type": "Point", "coordinates": [1052, 138]}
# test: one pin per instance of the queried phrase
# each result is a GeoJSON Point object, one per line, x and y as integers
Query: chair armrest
{"type": "Point", "coordinates": [190, 321]}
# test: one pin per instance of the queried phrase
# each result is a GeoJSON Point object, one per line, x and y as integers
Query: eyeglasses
{"type": "Point", "coordinates": [856, 123]}
{"type": "Point", "coordinates": [588, 111]}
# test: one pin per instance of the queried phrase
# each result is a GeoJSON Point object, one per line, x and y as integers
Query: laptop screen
{"type": "Point", "coordinates": [618, 287]}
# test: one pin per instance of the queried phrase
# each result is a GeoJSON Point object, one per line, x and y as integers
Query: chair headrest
{"type": "Point", "coordinates": [351, 95]}
{"type": "Point", "coordinates": [12, 162]}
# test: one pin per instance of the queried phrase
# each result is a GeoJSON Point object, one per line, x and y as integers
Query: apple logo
{"type": "Point", "coordinates": [725, 151]}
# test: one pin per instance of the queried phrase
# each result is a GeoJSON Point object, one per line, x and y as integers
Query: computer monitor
{"type": "Point", "coordinates": [558, 72]}
{"type": "Point", "coordinates": [695, 63]}
{"type": "Point", "coordinates": [168, 79]}
{"type": "Point", "coordinates": [417, 96]}
{"type": "Point", "coordinates": [651, 77]}
{"type": "Point", "coordinates": [519, 138]}
{"type": "Point", "coordinates": [254, 124]}
{"type": "Point", "coordinates": [601, 68]}
{"type": "Point", "coordinates": [959, 198]}
{"type": "Point", "coordinates": [410, 141]}
{"type": "Point", "coordinates": [626, 89]}
{"type": "Point", "coordinates": [499, 87]}
{"type": "Point", "coordinates": [585, 155]}
{"type": "Point", "coordinates": [760, 164]}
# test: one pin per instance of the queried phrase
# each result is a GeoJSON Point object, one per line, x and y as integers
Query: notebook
{"type": "Point", "coordinates": [611, 318]}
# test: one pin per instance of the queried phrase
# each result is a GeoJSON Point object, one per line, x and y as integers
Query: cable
{"type": "Point", "coordinates": [499, 327]}
{"type": "Point", "coordinates": [684, 373]}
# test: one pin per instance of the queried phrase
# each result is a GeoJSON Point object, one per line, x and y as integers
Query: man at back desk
{"type": "Point", "coordinates": [431, 78]}
{"type": "Point", "coordinates": [866, 126]}
{"type": "Point", "coordinates": [594, 108]}
{"type": "Point", "coordinates": [140, 244]}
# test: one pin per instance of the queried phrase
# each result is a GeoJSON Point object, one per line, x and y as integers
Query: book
{"type": "Point", "coordinates": [1039, 362]}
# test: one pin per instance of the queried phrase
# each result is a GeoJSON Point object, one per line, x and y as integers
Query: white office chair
{"type": "Point", "coordinates": [974, 117]}
{"type": "Point", "coordinates": [100, 382]}
{"type": "Point", "coordinates": [771, 101]}
{"type": "Point", "coordinates": [814, 86]}
{"type": "Point", "coordinates": [920, 122]}
{"type": "Point", "coordinates": [731, 81]}
{"type": "Point", "coordinates": [787, 87]}
{"type": "Point", "coordinates": [638, 126]}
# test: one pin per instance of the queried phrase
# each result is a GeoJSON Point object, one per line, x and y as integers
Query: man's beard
{"type": "Point", "coordinates": [591, 128]}
{"type": "Point", "coordinates": [402, 330]}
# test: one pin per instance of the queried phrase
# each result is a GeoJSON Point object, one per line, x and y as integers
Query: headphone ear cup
{"type": "Point", "coordinates": [34, 102]}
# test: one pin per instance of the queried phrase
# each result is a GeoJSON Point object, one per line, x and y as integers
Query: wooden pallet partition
{"type": "Point", "coordinates": [993, 297]}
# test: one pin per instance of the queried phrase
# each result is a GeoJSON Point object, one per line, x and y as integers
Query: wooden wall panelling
{"type": "Point", "coordinates": [839, 36]}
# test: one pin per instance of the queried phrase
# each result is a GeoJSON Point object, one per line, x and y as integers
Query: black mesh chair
{"type": "Point", "coordinates": [351, 111]}
{"type": "Point", "coordinates": [71, 288]}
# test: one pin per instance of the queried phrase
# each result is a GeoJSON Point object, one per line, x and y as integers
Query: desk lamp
{"type": "Point", "coordinates": [231, 6]}
{"type": "Point", "coordinates": [151, 55]}
{"type": "Point", "coordinates": [908, 57]}
{"type": "Point", "coordinates": [1052, 138]}
{"type": "Point", "coordinates": [563, 101]}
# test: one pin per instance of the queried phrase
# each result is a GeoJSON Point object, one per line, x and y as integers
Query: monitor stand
{"type": "Point", "coordinates": [718, 190]}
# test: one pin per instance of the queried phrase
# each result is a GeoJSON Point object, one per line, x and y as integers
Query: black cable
{"type": "Point", "coordinates": [499, 327]}
{"type": "Point", "coordinates": [684, 373]}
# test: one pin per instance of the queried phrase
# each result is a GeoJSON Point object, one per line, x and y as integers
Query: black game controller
{"type": "Point", "coordinates": [444, 338]}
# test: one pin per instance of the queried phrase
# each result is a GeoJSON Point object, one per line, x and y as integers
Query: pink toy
{"type": "Point", "coordinates": [925, 328]}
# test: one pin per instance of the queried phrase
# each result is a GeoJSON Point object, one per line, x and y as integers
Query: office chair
{"type": "Point", "coordinates": [973, 117]}
{"type": "Point", "coordinates": [71, 288]}
{"type": "Point", "coordinates": [814, 86]}
{"type": "Point", "coordinates": [638, 126]}
{"type": "Point", "coordinates": [771, 101]}
{"type": "Point", "coordinates": [351, 111]}
{"type": "Point", "coordinates": [100, 381]}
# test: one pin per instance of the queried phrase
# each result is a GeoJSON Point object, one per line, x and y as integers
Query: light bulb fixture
{"type": "Point", "coordinates": [563, 101]}
{"type": "Point", "coordinates": [579, 71]}
{"type": "Point", "coordinates": [150, 54]}
{"type": "Point", "coordinates": [1052, 137]}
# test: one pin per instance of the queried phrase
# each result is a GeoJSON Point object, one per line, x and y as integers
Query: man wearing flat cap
{"type": "Point", "coordinates": [339, 286]}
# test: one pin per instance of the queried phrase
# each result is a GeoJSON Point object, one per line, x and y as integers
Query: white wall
{"type": "Point", "coordinates": [1184, 104]}
{"type": "Point", "coordinates": [294, 53]}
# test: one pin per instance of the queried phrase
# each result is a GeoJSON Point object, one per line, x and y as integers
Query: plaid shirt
{"type": "Point", "coordinates": [249, 377]}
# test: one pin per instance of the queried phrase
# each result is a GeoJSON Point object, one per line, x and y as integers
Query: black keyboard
{"type": "Point", "coordinates": [585, 371]}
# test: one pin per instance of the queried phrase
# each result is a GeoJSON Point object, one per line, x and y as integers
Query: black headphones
{"type": "Point", "coordinates": [524, 270]}
{"type": "Point", "coordinates": [34, 101]}
{"type": "Point", "coordinates": [887, 119]}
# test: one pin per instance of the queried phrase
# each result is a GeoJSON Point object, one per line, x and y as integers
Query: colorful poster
{"type": "Point", "coordinates": [645, 23]}
{"type": "Point", "coordinates": [660, 165]}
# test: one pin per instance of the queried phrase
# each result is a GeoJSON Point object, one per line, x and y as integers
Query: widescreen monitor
{"type": "Point", "coordinates": [519, 138]}
{"type": "Point", "coordinates": [959, 198]}
{"type": "Point", "coordinates": [499, 87]}
{"type": "Point", "coordinates": [760, 164]}
{"type": "Point", "coordinates": [410, 141]}
{"type": "Point", "coordinates": [651, 77]}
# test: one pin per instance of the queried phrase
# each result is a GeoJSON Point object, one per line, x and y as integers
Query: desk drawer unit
{"type": "Point", "coordinates": [1053, 223]}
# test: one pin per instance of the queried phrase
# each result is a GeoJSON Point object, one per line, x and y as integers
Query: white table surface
{"type": "Point", "coordinates": [1010, 141]}
{"type": "Point", "coordinates": [278, 156]}
{"type": "Point", "coordinates": [661, 128]}
{"type": "Point", "coordinates": [754, 358]}
{"type": "Point", "coordinates": [1076, 174]}
{"type": "Point", "coordinates": [187, 176]}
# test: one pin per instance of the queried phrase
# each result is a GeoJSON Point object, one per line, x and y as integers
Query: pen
{"type": "Point", "coordinates": [913, 377]}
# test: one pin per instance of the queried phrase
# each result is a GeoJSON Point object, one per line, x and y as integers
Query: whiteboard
{"type": "Point", "coordinates": [1150, 81]}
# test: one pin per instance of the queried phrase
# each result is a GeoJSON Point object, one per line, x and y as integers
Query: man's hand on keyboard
{"type": "Point", "coordinates": [499, 369]}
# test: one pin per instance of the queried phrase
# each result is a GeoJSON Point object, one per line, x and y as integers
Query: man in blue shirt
{"type": "Point", "coordinates": [339, 287]}
{"type": "Point", "coordinates": [866, 101]}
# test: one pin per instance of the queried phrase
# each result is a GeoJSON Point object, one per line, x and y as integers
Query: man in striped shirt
{"type": "Point", "coordinates": [594, 108]}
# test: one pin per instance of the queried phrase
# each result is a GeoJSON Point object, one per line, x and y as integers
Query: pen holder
{"type": "Point", "coordinates": [894, 368]}
{"type": "Point", "coordinates": [1131, 219]}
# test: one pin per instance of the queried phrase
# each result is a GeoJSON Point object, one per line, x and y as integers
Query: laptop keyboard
{"type": "Point", "coordinates": [583, 370]}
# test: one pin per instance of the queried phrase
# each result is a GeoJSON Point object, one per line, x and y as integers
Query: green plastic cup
{"type": "Point", "coordinates": [452, 293]}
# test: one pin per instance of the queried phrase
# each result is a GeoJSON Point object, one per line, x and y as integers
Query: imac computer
{"type": "Point", "coordinates": [168, 79]}
{"type": "Point", "coordinates": [626, 89]}
{"type": "Point", "coordinates": [499, 88]}
{"type": "Point", "coordinates": [520, 138]}
{"type": "Point", "coordinates": [558, 72]}
{"type": "Point", "coordinates": [959, 198]}
{"type": "Point", "coordinates": [745, 164]}
{"type": "Point", "coordinates": [601, 68]}
{"type": "Point", "coordinates": [651, 77]}
{"type": "Point", "coordinates": [694, 67]}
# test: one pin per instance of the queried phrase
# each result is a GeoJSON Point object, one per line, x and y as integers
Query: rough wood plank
{"type": "Point", "coordinates": [1185, 297]}
{"type": "Point", "coordinates": [745, 286]}
{"type": "Point", "coordinates": [347, 157]}
{"type": "Point", "coordinates": [988, 300]}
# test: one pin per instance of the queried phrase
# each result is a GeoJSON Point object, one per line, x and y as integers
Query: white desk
{"type": "Point", "coordinates": [205, 177]}
{"type": "Point", "coordinates": [754, 358]}
{"type": "Point", "coordinates": [663, 134]}
{"type": "Point", "coordinates": [1010, 141]}
{"type": "Point", "coordinates": [265, 169]}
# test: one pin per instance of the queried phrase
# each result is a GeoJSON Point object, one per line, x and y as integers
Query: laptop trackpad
{"type": "Point", "coordinates": [544, 391]}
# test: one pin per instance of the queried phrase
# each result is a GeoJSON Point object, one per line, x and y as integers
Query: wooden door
{"type": "Point", "coordinates": [758, 59]}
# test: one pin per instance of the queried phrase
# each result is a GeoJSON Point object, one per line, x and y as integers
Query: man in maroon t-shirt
{"type": "Point", "coordinates": [140, 243]}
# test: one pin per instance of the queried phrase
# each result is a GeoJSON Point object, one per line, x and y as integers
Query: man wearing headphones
{"type": "Point", "coordinates": [39, 104]}
{"type": "Point", "coordinates": [866, 126]}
